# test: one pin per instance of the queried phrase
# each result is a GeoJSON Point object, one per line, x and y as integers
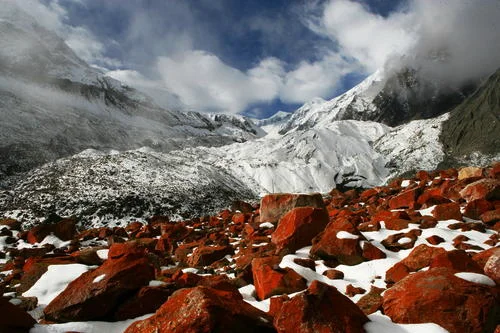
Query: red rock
{"type": "Point", "coordinates": [367, 194]}
{"type": "Point", "coordinates": [131, 249]}
{"type": "Point", "coordinates": [369, 226]}
{"type": "Point", "coordinates": [396, 224]}
{"type": "Point", "coordinates": [87, 256]}
{"type": "Point", "coordinates": [276, 303]}
{"type": "Point", "coordinates": [133, 227]}
{"type": "Point", "coordinates": [488, 189]}
{"type": "Point", "coordinates": [492, 267]}
{"type": "Point", "coordinates": [406, 199]}
{"type": "Point", "coordinates": [371, 252]}
{"type": "Point", "coordinates": [298, 227]}
{"type": "Point", "coordinates": [206, 255]}
{"type": "Point", "coordinates": [422, 256]}
{"type": "Point", "coordinates": [14, 319]}
{"type": "Point", "coordinates": [89, 298]}
{"type": "Point", "coordinates": [203, 309]}
{"type": "Point", "coordinates": [309, 263]}
{"type": "Point", "coordinates": [351, 290]}
{"type": "Point", "coordinates": [475, 208]}
{"type": "Point", "coordinates": [146, 300]}
{"type": "Point", "coordinates": [274, 206]}
{"type": "Point", "coordinates": [64, 230]}
{"type": "Point", "coordinates": [491, 217]}
{"type": "Point", "coordinates": [394, 242]}
{"type": "Point", "coordinates": [333, 274]}
{"type": "Point", "coordinates": [448, 173]}
{"type": "Point", "coordinates": [448, 211]}
{"type": "Point", "coordinates": [11, 223]}
{"type": "Point", "coordinates": [321, 308]}
{"type": "Point", "coordinates": [396, 273]}
{"type": "Point", "coordinates": [239, 218]}
{"type": "Point", "coordinates": [269, 280]}
{"type": "Point", "coordinates": [34, 268]}
{"type": "Point", "coordinates": [241, 206]}
{"type": "Point", "coordinates": [482, 257]}
{"type": "Point", "coordinates": [438, 296]}
{"type": "Point", "coordinates": [423, 176]}
{"type": "Point", "coordinates": [457, 260]}
{"type": "Point", "coordinates": [371, 302]}
{"type": "Point", "coordinates": [494, 172]}
{"type": "Point", "coordinates": [328, 246]}
{"type": "Point", "coordinates": [435, 240]}
{"type": "Point", "coordinates": [470, 172]}
{"type": "Point", "coordinates": [431, 197]}
{"type": "Point", "coordinates": [174, 231]}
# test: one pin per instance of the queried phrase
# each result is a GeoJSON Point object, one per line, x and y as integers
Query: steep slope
{"type": "Point", "coordinates": [100, 187]}
{"type": "Point", "coordinates": [389, 97]}
{"type": "Point", "coordinates": [407, 96]}
{"type": "Point", "coordinates": [53, 104]}
{"type": "Point", "coordinates": [474, 126]}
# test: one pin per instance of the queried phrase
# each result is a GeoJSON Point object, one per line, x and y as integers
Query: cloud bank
{"type": "Point", "coordinates": [451, 42]}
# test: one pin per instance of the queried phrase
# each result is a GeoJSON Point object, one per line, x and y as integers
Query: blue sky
{"type": "Point", "coordinates": [253, 57]}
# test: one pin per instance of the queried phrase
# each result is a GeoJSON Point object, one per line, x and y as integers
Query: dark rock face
{"type": "Point", "coordinates": [474, 125]}
{"type": "Point", "coordinates": [407, 97]}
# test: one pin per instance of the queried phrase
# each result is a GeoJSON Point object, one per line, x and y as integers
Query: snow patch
{"type": "Point", "coordinates": [54, 281]}
{"type": "Point", "coordinates": [346, 235]}
{"type": "Point", "coordinates": [476, 278]}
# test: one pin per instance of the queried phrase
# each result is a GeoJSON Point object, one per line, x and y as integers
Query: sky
{"type": "Point", "coordinates": [256, 57]}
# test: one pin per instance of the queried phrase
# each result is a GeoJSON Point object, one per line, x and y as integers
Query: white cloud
{"type": "Point", "coordinates": [314, 79]}
{"type": "Point", "coordinates": [450, 41]}
{"type": "Point", "coordinates": [153, 88]}
{"type": "Point", "coordinates": [367, 37]}
{"type": "Point", "coordinates": [203, 82]}
{"type": "Point", "coordinates": [52, 16]}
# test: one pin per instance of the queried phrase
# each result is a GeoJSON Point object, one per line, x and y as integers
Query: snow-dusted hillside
{"type": "Point", "coordinates": [354, 104]}
{"type": "Point", "coordinates": [53, 104]}
{"type": "Point", "coordinates": [101, 187]}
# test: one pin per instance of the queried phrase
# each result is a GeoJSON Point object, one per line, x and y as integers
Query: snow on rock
{"type": "Point", "coordinates": [379, 323]}
{"type": "Point", "coordinates": [54, 281]}
{"type": "Point", "coordinates": [476, 278]}
{"type": "Point", "coordinates": [413, 146]}
{"type": "Point", "coordinates": [346, 235]}
{"type": "Point", "coordinates": [87, 327]}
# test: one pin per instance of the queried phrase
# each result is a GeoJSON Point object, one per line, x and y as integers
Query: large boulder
{"type": "Point", "coordinates": [64, 230]}
{"type": "Point", "coordinates": [274, 206]}
{"type": "Point", "coordinates": [488, 189]}
{"type": "Point", "coordinates": [492, 267]}
{"type": "Point", "coordinates": [206, 255]}
{"type": "Point", "coordinates": [339, 241]}
{"type": "Point", "coordinates": [13, 319]}
{"type": "Point", "coordinates": [270, 280]}
{"type": "Point", "coordinates": [321, 308]}
{"type": "Point", "coordinates": [420, 257]}
{"type": "Point", "coordinates": [96, 294]}
{"type": "Point", "coordinates": [439, 296]}
{"type": "Point", "coordinates": [204, 309]}
{"type": "Point", "coordinates": [298, 227]}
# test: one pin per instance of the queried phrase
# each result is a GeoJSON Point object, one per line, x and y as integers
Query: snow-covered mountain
{"type": "Point", "coordinates": [53, 104]}
{"type": "Point", "coordinates": [114, 156]}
